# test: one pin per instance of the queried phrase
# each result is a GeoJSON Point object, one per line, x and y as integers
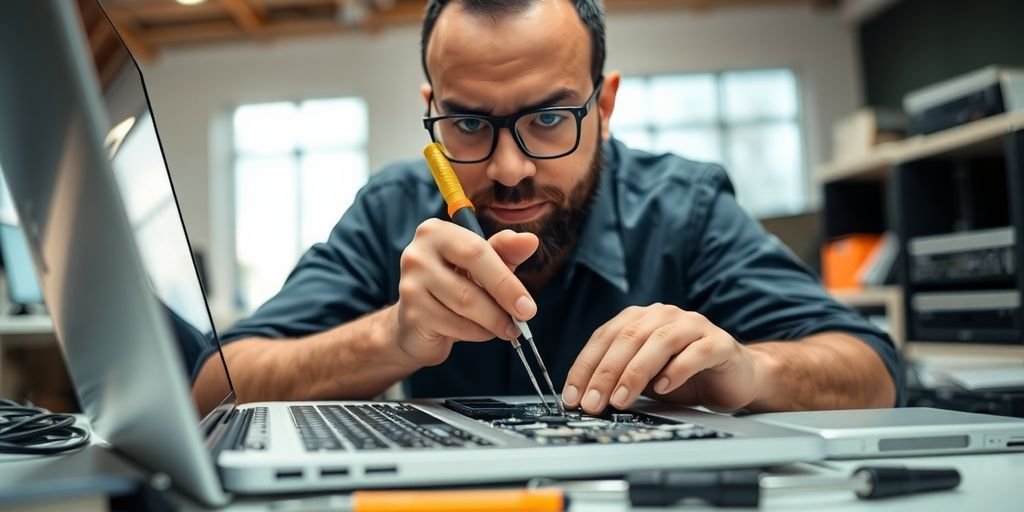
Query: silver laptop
{"type": "Point", "coordinates": [85, 168]}
{"type": "Point", "coordinates": [871, 433]}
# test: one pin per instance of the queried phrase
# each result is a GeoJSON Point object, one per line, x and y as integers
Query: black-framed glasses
{"type": "Point", "coordinates": [544, 133]}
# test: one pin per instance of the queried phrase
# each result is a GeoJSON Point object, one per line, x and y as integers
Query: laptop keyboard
{"type": "Point", "coordinates": [257, 429]}
{"type": "Point", "coordinates": [376, 427]}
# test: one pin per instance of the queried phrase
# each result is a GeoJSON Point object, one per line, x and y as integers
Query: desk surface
{"type": "Point", "coordinates": [989, 482]}
{"type": "Point", "coordinates": [25, 324]}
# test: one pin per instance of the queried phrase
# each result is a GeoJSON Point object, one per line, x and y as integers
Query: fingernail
{"type": "Point", "coordinates": [592, 402]}
{"type": "Point", "coordinates": [511, 332]}
{"type": "Point", "coordinates": [662, 385]}
{"type": "Point", "coordinates": [620, 396]}
{"type": "Point", "coordinates": [570, 394]}
{"type": "Point", "coordinates": [525, 306]}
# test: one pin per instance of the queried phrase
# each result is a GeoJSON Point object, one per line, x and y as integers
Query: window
{"type": "Point", "coordinates": [749, 121]}
{"type": "Point", "coordinates": [298, 167]}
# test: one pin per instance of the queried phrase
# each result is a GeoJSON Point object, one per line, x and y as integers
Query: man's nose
{"type": "Point", "coordinates": [509, 165]}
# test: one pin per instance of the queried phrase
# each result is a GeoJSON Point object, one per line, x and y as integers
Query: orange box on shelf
{"type": "Point", "coordinates": [842, 258]}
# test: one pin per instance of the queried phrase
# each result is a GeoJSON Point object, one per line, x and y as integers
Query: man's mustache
{"type": "Point", "coordinates": [525, 191]}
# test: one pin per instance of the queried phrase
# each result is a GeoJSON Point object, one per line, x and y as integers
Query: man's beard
{"type": "Point", "coordinates": [559, 230]}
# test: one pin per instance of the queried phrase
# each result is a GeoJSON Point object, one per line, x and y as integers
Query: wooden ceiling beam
{"type": "Point", "coordinates": [162, 10]}
{"type": "Point", "coordinates": [225, 20]}
{"type": "Point", "coordinates": [193, 33]}
{"type": "Point", "coordinates": [399, 14]}
{"type": "Point", "coordinates": [99, 33]}
{"type": "Point", "coordinates": [245, 15]}
{"type": "Point", "coordinates": [697, 5]}
{"type": "Point", "coordinates": [275, 4]}
{"type": "Point", "coordinates": [129, 32]}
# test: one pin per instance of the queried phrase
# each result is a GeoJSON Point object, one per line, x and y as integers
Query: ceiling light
{"type": "Point", "coordinates": [190, 2]}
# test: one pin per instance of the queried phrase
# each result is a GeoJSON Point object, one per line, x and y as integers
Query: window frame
{"type": "Point", "coordinates": [295, 155]}
{"type": "Point", "coordinates": [724, 128]}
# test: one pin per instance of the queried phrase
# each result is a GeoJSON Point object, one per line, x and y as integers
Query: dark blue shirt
{"type": "Point", "coordinates": [662, 229]}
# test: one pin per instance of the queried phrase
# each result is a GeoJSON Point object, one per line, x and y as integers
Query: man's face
{"type": "Point", "coordinates": [504, 65]}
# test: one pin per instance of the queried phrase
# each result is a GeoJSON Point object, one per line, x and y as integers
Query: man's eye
{"type": "Point", "coordinates": [469, 125]}
{"type": "Point", "coordinates": [549, 119]}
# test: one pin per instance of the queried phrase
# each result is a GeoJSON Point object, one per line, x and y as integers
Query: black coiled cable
{"type": "Point", "coordinates": [29, 430]}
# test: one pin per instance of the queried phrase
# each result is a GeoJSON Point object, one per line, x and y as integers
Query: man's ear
{"type": "Point", "coordinates": [426, 91]}
{"type": "Point", "coordinates": [606, 102]}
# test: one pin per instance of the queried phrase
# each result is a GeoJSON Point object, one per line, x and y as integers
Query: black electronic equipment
{"type": "Point", "coordinates": [972, 257]}
{"type": "Point", "coordinates": [968, 316]}
{"type": "Point", "coordinates": [1008, 402]}
{"type": "Point", "coordinates": [983, 93]}
{"type": "Point", "coordinates": [613, 426]}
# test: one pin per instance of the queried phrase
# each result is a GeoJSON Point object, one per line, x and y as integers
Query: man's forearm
{"type": "Point", "coordinates": [824, 371]}
{"type": "Point", "coordinates": [356, 360]}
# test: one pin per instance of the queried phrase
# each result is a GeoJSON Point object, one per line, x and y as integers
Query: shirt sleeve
{"type": "Point", "coordinates": [333, 282]}
{"type": "Point", "coordinates": [749, 284]}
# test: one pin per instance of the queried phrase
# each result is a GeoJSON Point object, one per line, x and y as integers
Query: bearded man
{"type": "Point", "coordinates": [638, 274]}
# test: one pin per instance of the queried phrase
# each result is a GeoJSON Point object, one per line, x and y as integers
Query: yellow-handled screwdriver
{"type": "Point", "coordinates": [461, 210]}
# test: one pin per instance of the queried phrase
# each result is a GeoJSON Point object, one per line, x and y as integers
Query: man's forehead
{"type": "Point", "coordinates": [529, 54]}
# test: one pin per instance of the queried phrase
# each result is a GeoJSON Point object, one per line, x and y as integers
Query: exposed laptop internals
{"type": "Point", "coordinates": [86, 171]}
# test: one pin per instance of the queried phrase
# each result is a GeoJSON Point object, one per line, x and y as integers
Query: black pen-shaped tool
{"type": "Point", "coordinates": [462, 212]}
{"type": "Point", "coordinates": [748, 487]}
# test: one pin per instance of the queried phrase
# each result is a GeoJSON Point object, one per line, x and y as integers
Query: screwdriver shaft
{"type": "Point", "coordinates": [533, 380]}
{"type": "Point", "coordinates": [525, 329]}
{"type": "Point", "coordinates": [547, 377]}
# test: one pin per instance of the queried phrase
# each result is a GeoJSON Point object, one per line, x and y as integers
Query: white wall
{"type": "Point", "coordinates": [194, 89]}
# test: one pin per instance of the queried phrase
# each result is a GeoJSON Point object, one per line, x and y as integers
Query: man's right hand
{"type": "Point", "coordinates": [455, 286]}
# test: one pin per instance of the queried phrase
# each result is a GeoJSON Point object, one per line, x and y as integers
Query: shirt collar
{"type": "Point", "coordinates": [600, 246]}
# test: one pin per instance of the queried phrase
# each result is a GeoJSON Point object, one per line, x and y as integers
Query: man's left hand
{"type": "Point", "coordinates": [668, 353]}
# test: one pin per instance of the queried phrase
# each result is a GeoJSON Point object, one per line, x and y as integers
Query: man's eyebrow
{"type": "Point", "coordinates": [451, 107]}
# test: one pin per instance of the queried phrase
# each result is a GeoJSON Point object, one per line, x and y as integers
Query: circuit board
{"type": "Point", "coordinates": [537, 422]}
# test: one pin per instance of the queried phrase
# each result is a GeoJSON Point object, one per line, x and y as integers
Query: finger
{"type": "Point", "coordinates": [454, 326]}
{"type": "Point", "coordinates": [660, 347]}
{"type": "Point", "coordinates": [425, 313]}
{"type": "Point", "coordinates": [586, 362]}
{"type": "Point", "coordinates": [514, 248]}
{"type": "Point", "coordinates": [623, 348]}
{"type": "Point", "coordinates": [465, 250]}
{"type": "Point", "coordinates": [467, 300]}
{"type": "Point", "coordinates": [696, 357]}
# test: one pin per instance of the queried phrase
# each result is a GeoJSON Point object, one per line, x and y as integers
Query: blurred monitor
{"type": "Point", "coordinates": [20, 273]}
{"type": "Point", "coordinates": [801, 233]}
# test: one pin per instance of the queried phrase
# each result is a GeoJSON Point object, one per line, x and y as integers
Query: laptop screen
{"type": "Point", "coordinates": [161, 239]}
{"type": "Point", "coordinates": [82, 158]}
{"type": "Point", "coordinates": [148, 195]}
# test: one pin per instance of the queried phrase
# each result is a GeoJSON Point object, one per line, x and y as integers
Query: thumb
{"type": "Point", "coordinates": [514, 248]}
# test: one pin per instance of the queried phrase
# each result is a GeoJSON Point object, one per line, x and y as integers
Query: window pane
{"type": "Point", "coordinates": [333, 123]}
{"type": "Point", "coordinates": [329, 184]}
{"type": "Point", "coordinates": [266, 217]}
{"type": "Point", "coordinates": [697, 144]}
{"type": "Point", "coordinates": [266, 128]}
{"type": "Point", "coordinates": [684, 99]}
{"type": "Point", "coordinates": [636, 139]}
{"type": "Point", "coordinates": [760, 94]}
{"type": "Point", "coordinates": [767, 168]}
{"type": "Point", "coordinates": [631, 102]}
